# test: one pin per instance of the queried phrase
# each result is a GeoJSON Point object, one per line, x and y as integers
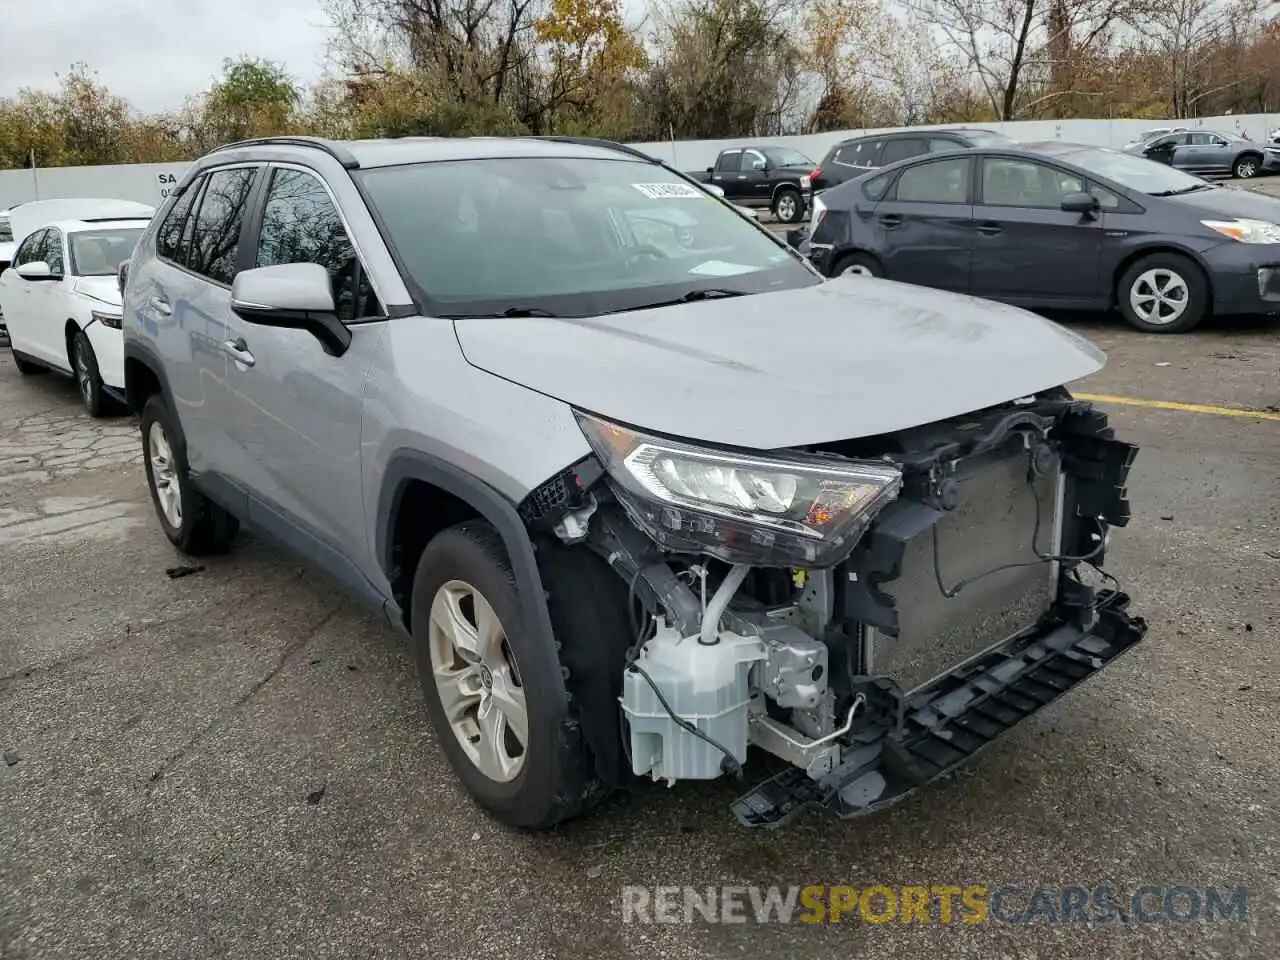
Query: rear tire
{"type": "Point", "coordinates": [193, 523]}
{"type": "Point", "coordinates": [550, 779]}
{"type": "Point", "coordinates": [1163, 293]}
{"type": "Point", "coordinates": [858, 264]}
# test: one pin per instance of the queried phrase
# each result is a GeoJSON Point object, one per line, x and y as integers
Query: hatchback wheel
{"type": "Point", "coordinates": [1163, 293]}
{"type": "Point", "coordinates": [192, 522]}
{"type": "Point", "coordinates": [858, 265]}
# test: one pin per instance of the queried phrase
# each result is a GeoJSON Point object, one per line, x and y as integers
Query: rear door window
{"type": "Point", "coordinates": [941, 181]}
{"type": "Point", "coordinates": [169, 236]}
{"type": "Point", "coordinates": [215, 240]}
{"type": "Point", "coordinates": [900, 148]}
{"type": "Point", "coordinates": [861, 154]}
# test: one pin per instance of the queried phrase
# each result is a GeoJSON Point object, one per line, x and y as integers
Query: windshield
{"type": "Point", "coordinates": [1136, 173]}
{"type": "Point", "coordinates": [786, 157]}
{"type": "Point", "coordinates": [99, 253]}
{"type": "Point", "coordinates": [567, 236]}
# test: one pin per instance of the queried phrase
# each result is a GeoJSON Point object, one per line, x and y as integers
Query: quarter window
{"type": "Point", "coordinates": [215, 239]}
{"type": "Point", "coordinates": [300, 224]}
{"type": "Point", "coordinates": [942, 181]}
{"type": "Point", "coordinates": [169, 236]}
{"type": "Point", "coordinates": [901, 148]}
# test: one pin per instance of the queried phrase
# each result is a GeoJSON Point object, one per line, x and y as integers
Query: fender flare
{"type": "Point", "coordinates": [407, 465]}
{"type": "Point", "coordinates": [787, 185]}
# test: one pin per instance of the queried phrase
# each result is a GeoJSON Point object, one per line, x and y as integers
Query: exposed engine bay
{"type": "Point", "coordinates": [871, 611]}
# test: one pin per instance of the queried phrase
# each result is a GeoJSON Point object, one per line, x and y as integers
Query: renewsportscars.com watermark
{"type": "Point", "coordinates": [941, 904]}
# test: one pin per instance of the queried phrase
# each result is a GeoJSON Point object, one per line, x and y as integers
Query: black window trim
{"type": "Point", "coordinates": [979, 185]}
{"type": "Point", "coordinates": [927, 158]}
{"type": "Point", "coordinates": [257, 209]}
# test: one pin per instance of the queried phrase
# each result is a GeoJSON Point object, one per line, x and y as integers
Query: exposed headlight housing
{"type": "Point", "coordinates": [1246, 231]}
{"type": "Point", "coordinates": [112, 320]}
{"type": "Point", "coordinates": [805, 182]}
{"type": "Point", "coordinates": [819, 211]}
{"type": "Point", "coordinates": [765, 510]}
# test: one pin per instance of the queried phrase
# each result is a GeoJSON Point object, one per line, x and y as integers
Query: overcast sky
{"type": "Point", "coordinates": [155, 52]}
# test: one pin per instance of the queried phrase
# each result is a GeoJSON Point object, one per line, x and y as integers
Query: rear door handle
{"type": "Point", "coordinates": [890, 220]}
{"type": "Point", "coordinates": [990, 229]}
{"type": "Point", "coordinates": [239, 351]}
{"type": "Point", "coordinates": [162, 306]}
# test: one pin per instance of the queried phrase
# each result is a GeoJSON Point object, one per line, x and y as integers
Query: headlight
{"type": "Point", "coordinates": [1246, 231]}
{"type": "Point", "coordinates": [112, 320]}
{"type": "Point", "coordinates": [764, 510]}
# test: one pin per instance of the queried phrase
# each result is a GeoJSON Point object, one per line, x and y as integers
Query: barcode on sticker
{"type": "Point", "coordinates": [669, 191]}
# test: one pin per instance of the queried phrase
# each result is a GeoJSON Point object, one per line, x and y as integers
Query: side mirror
{"type": "Point", "coordinates": [1080, 203]}
{"type": "Point", "coordinates": [35, 270]}
{"type": "Point", "coordinates": [711, 171]}
{"type": "Point", "coordinates": [293, 296]}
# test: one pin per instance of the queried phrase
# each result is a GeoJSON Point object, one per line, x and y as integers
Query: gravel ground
{"type": "Point", "coordinates": [236, 763]}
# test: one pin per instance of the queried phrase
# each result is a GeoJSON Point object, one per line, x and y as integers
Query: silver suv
{"type": "Point", "coordinates": [642, 489]}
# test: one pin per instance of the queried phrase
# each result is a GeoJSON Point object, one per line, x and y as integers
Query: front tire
{"type": "Point", "coordinates": [1163, 293]}
{"type": "Point", "coordinates": [788, 206]}
{"type": "Point", "coordinates": [88, 378]}
{"type": "Point", "coordinates": [1246, 167]}
{"type": "Point", "coordinates": [495, 700]}
{"type": "Point", "coordinates": [193, 523]}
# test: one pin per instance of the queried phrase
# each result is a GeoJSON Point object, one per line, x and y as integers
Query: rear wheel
{"type": "Point", "coordinates": [858, 264]}
{"type": "Point", "coordinates": [787, 205]}
{"type": "Point", "coordinates": [1163, 293]}
{"type": "Point", "coordinates": [193, 523]}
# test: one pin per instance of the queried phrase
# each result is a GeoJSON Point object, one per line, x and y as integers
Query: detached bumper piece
{"type": "Point", "coordinates": [950, 721]}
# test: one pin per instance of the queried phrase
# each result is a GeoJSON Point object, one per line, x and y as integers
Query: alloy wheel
{"type": "Point", "coordinates": [1159, 296]}
{"type": "Point", "coordinates": [1246, 169]}
{"type": "Point", "coordinates": [164, 476]}
{"type": "Point", "coordinates": [786, 207]}
{"type": "Point", "coordinates": [477, 680]}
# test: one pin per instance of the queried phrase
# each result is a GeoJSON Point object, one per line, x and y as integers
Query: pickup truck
{"type": "Point", "coordinates": [776, 178]}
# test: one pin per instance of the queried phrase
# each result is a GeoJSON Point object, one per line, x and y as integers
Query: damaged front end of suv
{"type": "Point", "coordinates": [873, 611]}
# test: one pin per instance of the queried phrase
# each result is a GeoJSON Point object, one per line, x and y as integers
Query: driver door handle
{"type": "Point", "coordinates": [239, 351]}
{"type": "Point", "coordinates": [890, 219]}
{"type": "Point", "coordinates": [989, 229]}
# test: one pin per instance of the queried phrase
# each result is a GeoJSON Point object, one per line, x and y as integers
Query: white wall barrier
{"type": "Point", "coordinates": [150, 182]}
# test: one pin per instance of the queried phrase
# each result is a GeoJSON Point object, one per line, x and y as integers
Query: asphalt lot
{"type": "Point", "coordinates": [236, 763]}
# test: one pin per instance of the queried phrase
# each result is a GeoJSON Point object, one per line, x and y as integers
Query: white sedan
{"type": "Point", "coordinates": [61, 302]}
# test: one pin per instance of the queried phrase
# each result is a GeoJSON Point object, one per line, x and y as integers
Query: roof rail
{"type": "Point", "coordinates": [332, 147]}
{"type": "Point", "coordinates": [602, 144]}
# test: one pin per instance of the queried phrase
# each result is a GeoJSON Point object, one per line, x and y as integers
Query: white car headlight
{"type": "Point", "coordinates": [112, 320]}
{"type": "Point", "coordinates": [741, 507]}
{"type": "Point", "coordinates": [1246, 231]}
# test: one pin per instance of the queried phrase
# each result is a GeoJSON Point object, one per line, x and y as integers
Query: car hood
{"type": "Point", "coordinates": [851, 357]}
{"type": "Point", "coordinates": [1230, 202]}
{"type": "Point", "coordinates": [104, 289]}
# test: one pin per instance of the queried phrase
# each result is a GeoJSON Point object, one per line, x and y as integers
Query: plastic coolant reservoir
{"type": "Point", "coordinates": [706, 685]}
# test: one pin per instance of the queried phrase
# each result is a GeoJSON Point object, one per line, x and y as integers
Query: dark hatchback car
{"type": "Point", "coordinates": [1058, 225]}
{"type": "Point", "coordinates": [852, 158]}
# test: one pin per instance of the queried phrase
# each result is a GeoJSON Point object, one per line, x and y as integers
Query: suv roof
{"type": "Point", "coordinates": [361, 154]}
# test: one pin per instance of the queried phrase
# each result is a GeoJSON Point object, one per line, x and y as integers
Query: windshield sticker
{"type": "Point", "coordinates": [670, 191]}
{"type": "Point", "coordinates": [719, 268]}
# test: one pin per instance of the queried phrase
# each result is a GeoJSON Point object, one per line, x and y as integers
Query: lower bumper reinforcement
{"type": "Point", "coordinates": [949, 721]}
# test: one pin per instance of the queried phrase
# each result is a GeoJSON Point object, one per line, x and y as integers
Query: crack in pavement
{"type": "Point", "coordinates": [291, 649]}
